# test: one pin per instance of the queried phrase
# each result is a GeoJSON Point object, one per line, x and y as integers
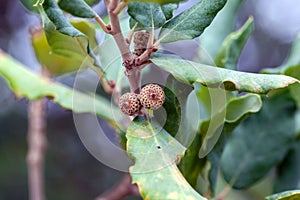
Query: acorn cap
{"type": "Point", "coordinates": [152, 96]}
{"type": "Point", "coordinates": [130, 104]}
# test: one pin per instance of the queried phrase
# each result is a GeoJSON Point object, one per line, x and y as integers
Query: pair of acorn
{"type": "Point", "coordinates": [151, 97]}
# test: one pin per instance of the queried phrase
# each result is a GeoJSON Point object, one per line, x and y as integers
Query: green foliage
{"type": "Point", "coordinates": [77, 8]}
{"type": "Point", "coordinates": [173, 120]}
{"type": "Point", "coordinates": [30, 5]}
{"type": "Point", "coordinates": [64, 39]}
{"type": "Point", "coordinates": [168, 10]}
{"type": "Point", "coordinates": [192, 22]}
{"type": "Point", "coordinates": [288, 195]}
{"type": "Point", "coordinates": [223, 135]}
{"type": "Point", "coordinates": [233, 45]}
{"type": "Point", "coordinates": [155, 154]}
{"type": "Point", "coordinates": [190, 72]}
{"type": "Point", "coordinates": [58, 64]}
{"type": "Point", "coordinates": [288, 174]}
{"type": "Point", "coordinates": [260, 143]}
{"type": "Point", "coordinates": [222, 25]}
{"type": "Point", "coordinates": [144, 13]}
{"type": "Point", "coordinates": [25, 83]}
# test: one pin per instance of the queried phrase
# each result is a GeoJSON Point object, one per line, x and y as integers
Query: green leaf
{"type": "Point", "coordinates": [190, 72]}
{"type": "Point", "coordinates": [77, 8]}
{"type": "Point", "coordinates": [57, 64]}
{"type": "Point", "coordinates": [223, 24]}
{"type": "Point", "coordinates": [29, 4]}
{"type": "Point", "coordinates": [288, 174]}
{"type": "Point", "coordinates": [168, 10]}
{"type": "Point", "coordinates": [161, 2]}
{"type": "Point", "coordinates": [214, 156]}
{"type": "Point", "coordinates": [294, 90]}
{"type": "Point", "coordinates": [171, 122]}
{"type": "Point", "coordinates": [191, 165]}
{"type": "Point", "coordinates": [54, 19]}
{"type": "Point", "coordinates": [237, 109]}
{"type": "Point", "coordinates": [155, 154]}
{"type": "Point", "coordinates": [144, 12]}
{"type": "Point", "coordinates": [66, 40]}
{"type": "Point", "coordinates": [287, 195]}
{"type": "Point", "coordinates": [92, 2]}
{"type": "Point", "coordinates": [233, 45]}
{"type": "Point", "coordinates": [192, 22]}
{"type": "Point", "coordinates": [25, 83]}
{"type": "Point", "coordinates": [260, 142]}
{"type": "Point", "coordinates": [240, 106]}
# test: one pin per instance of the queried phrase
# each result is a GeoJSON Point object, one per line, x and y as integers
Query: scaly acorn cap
{"type": "Point", "coordinates": [152, 96]}
{"type": "Point", "coordinates": [130, 104]}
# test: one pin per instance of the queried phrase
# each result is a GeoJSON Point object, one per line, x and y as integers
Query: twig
{"type": "Point", "coordinates": [37, 143]}
{"type": "Point", "coordinates": [121, 190]}
{"type": "Point", "coordinates": [132, 63]}
{"type": "Point", "coordinates": [106, 28]}
{"type": "Point", "coordinates": [120, 7]}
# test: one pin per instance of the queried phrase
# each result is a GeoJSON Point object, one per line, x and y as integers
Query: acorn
{"type": "Point", "coordinates": [152, 96]}
{"type": "Point", "coordinates": [130, 104]}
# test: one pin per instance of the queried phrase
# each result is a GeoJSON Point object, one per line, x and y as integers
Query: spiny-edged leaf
{"type": "Point", "coordinates": [192, 22]}
{"type": "Point", "coordinates": [260, 142]}
{"type": "Point", "coordinates": [190, 72]}
{"type": "Point", "coordinates": [25, 83]}
{"type": "Point", "coordinates": [144, 12]}
{"type": "Point", "coordinates": [287, 195]}
{"type": "Point", "coordinates": [161, 2]}
{"type": "Point", "coordinates": [222, 25]}
{"type": "Point", "coordinates": [291, 66]}
{"type": "Point", "coordinates": [77, 8]}
{"type": "Point", "coordinates": [288, 174]}
{"type": "Point", "coordinates": [155, 154]}
{"type": "Point", "coordinates": [57, 64]}
{"type": "Point", "coordinates": [168, 10]}
{"type": "Point", "coordinates": [233, 45]}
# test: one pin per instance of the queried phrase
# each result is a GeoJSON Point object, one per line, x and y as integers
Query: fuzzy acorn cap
{"type": "Point", "coordinates": [152, 96]}
{"type": "Point", "coordinates": [130, 104]}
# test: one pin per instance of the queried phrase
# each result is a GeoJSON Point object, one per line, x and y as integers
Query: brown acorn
{"type": "Point", "coordinates": [130, 104]}
{"type": "Point", "coordinates": [152, 96]}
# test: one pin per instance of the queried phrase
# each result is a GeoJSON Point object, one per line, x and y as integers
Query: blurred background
{"type": "Point", "coordinates": [71, 172]}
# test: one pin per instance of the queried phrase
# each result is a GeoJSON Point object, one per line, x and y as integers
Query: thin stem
{"type": "Point", "coordinates": [134, 78]}
{"type": "Point", "coordinates": [120, 7]}
{"type": "Point", "coordinates": [105, 27]}
{"type": "Point", "coordinates": [37, 143]}
{"type": "Point", "coordinates": [121, 190]}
